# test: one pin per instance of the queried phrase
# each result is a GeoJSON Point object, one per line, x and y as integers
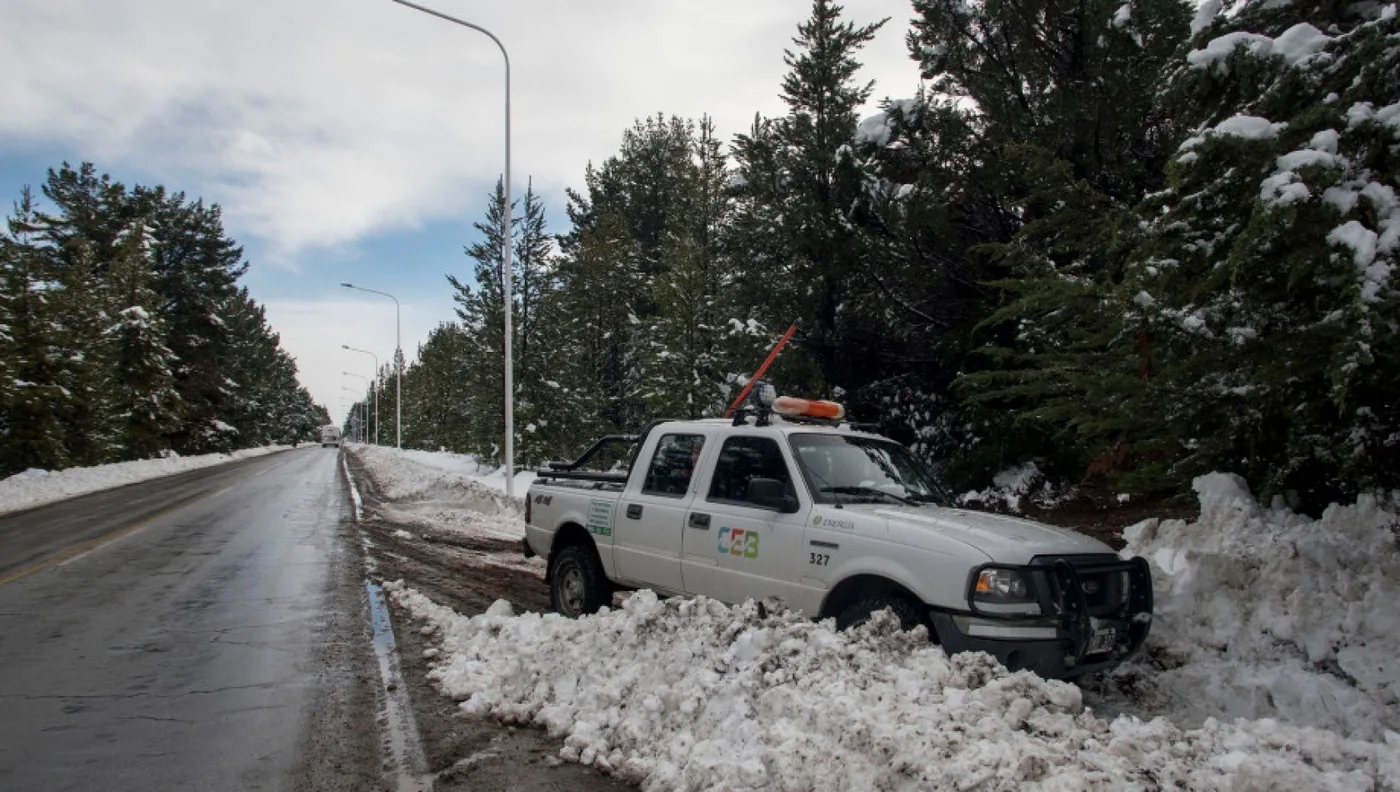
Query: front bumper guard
{"type": "Point", "coordinates": [1068, 607]}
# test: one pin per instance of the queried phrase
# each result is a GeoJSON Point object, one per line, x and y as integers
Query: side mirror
{"type": "Point", "coordinates": [771, 493]}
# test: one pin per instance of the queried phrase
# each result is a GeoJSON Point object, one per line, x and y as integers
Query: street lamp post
{"type": "Point", "coordinates": [370, 384]}
{"type": "Point", "coordinates": [352, 408]}
{"type": "Point", "coordinates": [398, 361]}
{"type": "Point", "coordinates": [506, 245]}
{"type": "Point", "coordinates": [375, 387]}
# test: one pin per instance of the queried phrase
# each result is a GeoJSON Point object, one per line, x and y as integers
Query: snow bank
{"type": "Point", "coordinates": [690, 694]}
{"type": "Point", "coordinates": [36, 487]}
{"type": "Point", "coordinates": [448, 491]}
{"type": "Point", "coordinates": [1266, 613]}
{"type": "Point", "coordinates": [470, 467]}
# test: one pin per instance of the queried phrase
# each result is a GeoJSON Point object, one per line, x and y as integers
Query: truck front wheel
{"type": "Point", "coordinates": [577, 583]}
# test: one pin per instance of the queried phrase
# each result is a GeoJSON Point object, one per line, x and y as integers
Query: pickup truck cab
{"type": "Point", "coordinates": [838, 523]}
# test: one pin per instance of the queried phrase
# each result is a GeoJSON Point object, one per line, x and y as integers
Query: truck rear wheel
{"type": "Point", "coordinates": [860, 611]}
{"type": "Point", "coordinates": [577, 583]}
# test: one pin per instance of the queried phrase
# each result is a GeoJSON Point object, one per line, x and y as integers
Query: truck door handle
{"type": "Point", "coordinates": [701, 521]}
{"type": "Point", "coordinates": [634, 511]}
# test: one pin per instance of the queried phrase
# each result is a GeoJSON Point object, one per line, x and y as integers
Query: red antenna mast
{"type": "Point", "coordinates": [757, 375]}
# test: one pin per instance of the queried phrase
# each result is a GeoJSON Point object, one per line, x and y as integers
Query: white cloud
{"type": "Point", "coordinates": [317, 123]}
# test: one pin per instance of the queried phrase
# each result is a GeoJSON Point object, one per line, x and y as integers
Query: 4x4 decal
{"type": "Point", "coordinates": [738, 542]}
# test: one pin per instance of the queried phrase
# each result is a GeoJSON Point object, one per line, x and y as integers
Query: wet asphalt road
{"type": "Point", "coordinates": [201, 631]}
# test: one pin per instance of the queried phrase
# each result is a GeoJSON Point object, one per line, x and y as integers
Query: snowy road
{"type": "Point", "coordinates": [204, 629]}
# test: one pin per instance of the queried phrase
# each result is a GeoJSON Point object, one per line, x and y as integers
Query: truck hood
{"type": "Point", "coordinates": [1007, 540]}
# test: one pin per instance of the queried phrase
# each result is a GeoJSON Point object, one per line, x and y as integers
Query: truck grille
{"type": "Point", "coordinates": [1105, 592]}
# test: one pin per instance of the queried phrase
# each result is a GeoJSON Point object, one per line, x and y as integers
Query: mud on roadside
{"type": "Point", "coordinates": [466, 573]}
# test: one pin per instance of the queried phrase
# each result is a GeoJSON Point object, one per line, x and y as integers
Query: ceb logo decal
{"type": "Point", "coordinates": [738, 542]}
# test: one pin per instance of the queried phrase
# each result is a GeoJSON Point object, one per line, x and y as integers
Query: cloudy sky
{"type": "Point", "coordinates": [356, 140]}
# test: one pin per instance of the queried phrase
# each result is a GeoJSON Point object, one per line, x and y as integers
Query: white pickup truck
{"type": "Point", "coordinates": [838, 523]}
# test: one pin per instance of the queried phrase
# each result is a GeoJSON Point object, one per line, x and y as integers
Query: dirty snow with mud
{"type": "Point", "coordinates": [36, 487]}
{"type": "Point", "coordinates": [691, 694]}
{"type": "Point", "coordinates": [433, 490]}
{"type": "Point", "coordinates": [1270, 666]}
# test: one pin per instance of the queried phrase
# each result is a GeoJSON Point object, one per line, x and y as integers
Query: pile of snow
{"type": "Point", "coordinates": [1261, 612]}
{"type": "Point", "coordinates": [691, 694]}
{"type": "Point", "coordinates": [447, 491]}
{"type": "Point", "coordinates": [470, 467]}
{"type": "Point", "coordinates": [36, 487]}
{"type": "Point", "coordinates": [1012, 488]}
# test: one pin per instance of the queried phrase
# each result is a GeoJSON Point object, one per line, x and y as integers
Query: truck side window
{"type": "Point", "coordinates": [742, 459]}
{"type": "Point", "coordinates": [673, 465]}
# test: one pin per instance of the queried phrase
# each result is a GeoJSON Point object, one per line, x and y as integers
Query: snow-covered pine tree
{"type": "Point", "coordinates": [799, 175]}
{"type": "Point", "coordinates": [33, 434]}
{"type": "Point", "coordinates": [602, 367]}
{"type": "Point", "coordinates": [1052, 102]}
{"type": "Point", "coordinates": [196, 268]}
{"type": "Point", "coordinates": [694, 356]}
{"type": "Point", "coordinates": [1265, 288]}
{"type": "Point", "coordinates": [536, 343]}
{"type": "Point", "coordinates": [82, 237]}
{"type": "Point", "coordinates": [139, 387]}
{"type": "Point", "coordinates": [436, 401]}
{"type": "Point", "coordinates": [480, 307]}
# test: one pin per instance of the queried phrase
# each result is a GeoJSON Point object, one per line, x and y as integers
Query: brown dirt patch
{"type": "Point", "coordinates": [1105, 521]}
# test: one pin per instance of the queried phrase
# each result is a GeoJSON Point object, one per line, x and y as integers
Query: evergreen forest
{"type": "Point", "coordinates": [1132, 242]}
{"type": "Point", "coordinates": [124, 333]}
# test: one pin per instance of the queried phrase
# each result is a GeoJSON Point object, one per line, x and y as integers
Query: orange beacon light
{"type": "Point", "coordinates": [808, 408]}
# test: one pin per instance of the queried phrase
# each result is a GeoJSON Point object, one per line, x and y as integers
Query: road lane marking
{"type": "Point", "coordinates": [76, 552]}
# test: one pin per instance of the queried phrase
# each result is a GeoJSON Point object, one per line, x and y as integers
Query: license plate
{"type": "Point", "coordinates": [1102, 641]}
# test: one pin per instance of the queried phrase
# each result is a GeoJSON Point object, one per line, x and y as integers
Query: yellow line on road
{"type": "Point", "coordinates": [92, 544]}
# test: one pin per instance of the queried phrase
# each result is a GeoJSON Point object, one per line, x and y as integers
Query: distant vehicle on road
{"type": "Point", "coordinates": [330, 436]}
{"type": "Point", "coordinates": [839, 522]}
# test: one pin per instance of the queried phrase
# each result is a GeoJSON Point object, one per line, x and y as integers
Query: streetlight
{"type": "Point", "coordinates": [376, 390]}
{"type": "Point", "coordinates": [369, 383]}
{"type": "Point", "coordinates": [505, 244]}
{"type": "Point", "coordinates": [398, 362]}
{"type": "Point", "coordinates": [352, 407]}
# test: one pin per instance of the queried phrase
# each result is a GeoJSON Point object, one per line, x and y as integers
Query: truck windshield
{"type": "Point", "coordinates": [852, 469]}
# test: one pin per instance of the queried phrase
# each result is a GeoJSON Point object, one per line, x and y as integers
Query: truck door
{"type": "Point", "coordinates": [651, 522]}
{"type": "Point", "coordinates": [756, 549]}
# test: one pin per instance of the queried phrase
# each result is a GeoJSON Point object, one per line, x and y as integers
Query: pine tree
{"type": "Point", "coordinates": [196, 268]}
{"type": "Point", "coordinates": [1264, 287]}
{"type": "Point", "coordinates": [33, 431]}
{"type": "Point", "coordinates": [537, 418]}
{"type": "Point", "coordinates": [694, 355]}
{"type": "Point", "coordinates": [1051, 135]}
{"type": "Point", "coordinates": [125, 333]}
{"type": "Point", "coordinates": [140, 387]}
{"type": "Point", "coordinates": [1074, 79]}
{"type": "Point", "coordinates": [480, 307]}
{"type": "Point", "coordinates": [436, 401]}
{"type": "Point", "coordinates": [602, 364]}
{"type": "Point", "coordinates": [82, 238]}
{"type": "Point", "coordinates": [809, 185]}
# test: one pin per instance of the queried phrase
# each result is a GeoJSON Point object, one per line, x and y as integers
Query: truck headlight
{"type": "Point", "coordinates": [1003, 585]}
